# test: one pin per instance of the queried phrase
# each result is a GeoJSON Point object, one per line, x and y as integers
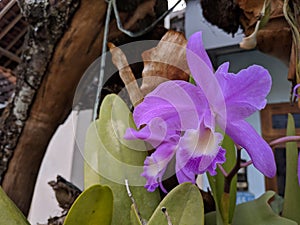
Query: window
{"type": "Point", "coordinates": [273, 124]}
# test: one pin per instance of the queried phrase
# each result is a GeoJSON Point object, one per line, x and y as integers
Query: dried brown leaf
{"type": "Point", "coordinates": [167, 61]}
{"type": "Point", "coordinates": [120, 61]}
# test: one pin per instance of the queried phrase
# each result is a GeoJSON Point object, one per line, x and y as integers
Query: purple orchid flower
{"type": "Point", "coordinates": [179, 119]}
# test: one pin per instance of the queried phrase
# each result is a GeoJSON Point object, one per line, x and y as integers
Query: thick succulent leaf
{"type": "Point", "coordinates": [277, 204]}
{"type": "Point", "coordinates": [292, 190]}
{"type": "Point", "coordinates": [93, 206]}
{"type": "Point", "coordinates": [134, 217]}
{"type": "Point", "coordinates": [110, 159]}
{"type": "Point", "coordinates": [257, 212]}
{"type": "Point", "coordinates": [184, 206]}
{"type": "Point", "coordinates": [210, 218]}
{"type": "Point", "coordinates": [217, 182]}
{"type": "Point", "coordinates": [9, 213]}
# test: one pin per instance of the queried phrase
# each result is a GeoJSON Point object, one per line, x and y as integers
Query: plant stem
{"type": "Point", "coordinates": [228, 177]}
{"type": "Point", "coordinates": [233, 172]}
{"type": "Point", "coordinates": [272, 144]}
{"type": "Point", "coordinates": [284, 140]}
{"type": "Point", "coordinates": [225, 205]}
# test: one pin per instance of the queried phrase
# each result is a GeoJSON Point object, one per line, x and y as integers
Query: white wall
{"type": "Point", "coordinates": [58, 160]}
{"type": "Point", "coordinates": [63, 157]}
{"type": "Point", "coordinates": [213, 37]}
{"type": "Point", "coordinates": [83, 120]}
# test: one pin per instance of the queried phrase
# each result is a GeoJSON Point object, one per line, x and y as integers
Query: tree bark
{"type": "Point", "coordinates": [43, 33]}
{"type": "Point", "coordinates": [60, 72]}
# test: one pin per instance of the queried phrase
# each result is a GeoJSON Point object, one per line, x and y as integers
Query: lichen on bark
{"type": "Point", "coordinates": [48, 20]}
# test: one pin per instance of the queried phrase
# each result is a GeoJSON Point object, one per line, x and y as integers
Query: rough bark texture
{"type": "Point", "coordinates": [43, 33]}
{"type": "Point", "coordinates": [62, 70]}
{"type": "Point", "coordinates": [48, 23]}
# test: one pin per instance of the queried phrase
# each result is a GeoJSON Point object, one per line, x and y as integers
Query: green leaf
{"type": "Point", "coordinates": [93, 206]}
{"type": "Point", "coordinates": [191, 80]}
{"type": "Point", "coordinates": [259, 212]}
{"type": "Point", "coordinates": [277, 204]}
{"type": "Point", "coordinates": [134, 218]}
{"type": "Point", "coordinates": [291, 204]}
{"type": "Point", "coordinates": [256, 212]}
{"type": "Point", "coordinates": [9, 212]}
{"type": "Point", "coordinates": [217, 182]}
{"type": "Point", "coordinates": [184, 205]}
{"type": "Point", "coordinates": [110, 159]}
{"type": "Point", "coordinates": [210, 218]}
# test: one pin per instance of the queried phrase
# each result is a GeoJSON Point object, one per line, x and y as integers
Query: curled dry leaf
{"type": "Point", "coordinates": [250, 41]}
{"type": "Point", "coordinates": [128, 78]}
{"type": "Point", "coordinates": [166, 61]}
{"type": "Point", "coordinates": [275, 33]}
{"type": "Point", "coordinates": [275, 38]}
{"type": "Point", "coordinates": [65, 192]}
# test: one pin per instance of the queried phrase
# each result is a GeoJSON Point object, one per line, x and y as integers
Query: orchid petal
{"type": "Point", "coordinates": [156, 164]}
{"type": "Point", "coordinates": [260, 152]}
{"type": "Point", "coordinates": [198, 150]}
{"type": "Point", "coordinates": [205, 79]}
{"type": "Point", "coordinates": [222, 71]}
{"type": "Point", "coordinates": [244, 92]}
{"type": "Point", "coordinates": [154, 133]}
{"type": "Point", "coordinates": [154, 107]}
{"type": "Point", "coordinates": [183, 174]}
{"type": "Point", "coordinates": [195, 44]}
{"type": "Point", "coordinates": [179, 103]}
{"type": "Point", "coordinates": [219, 159]}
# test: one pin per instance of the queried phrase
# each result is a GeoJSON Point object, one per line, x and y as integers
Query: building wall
{"type": "Point", "coordinates": [213, 37]}
{"type": "Point", "coordinates": [57, 161]}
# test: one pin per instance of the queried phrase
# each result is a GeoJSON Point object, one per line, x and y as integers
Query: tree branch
{"type": "Point", "coordinates": [47, 23]}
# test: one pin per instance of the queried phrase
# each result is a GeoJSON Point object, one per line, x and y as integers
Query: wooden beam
{"type": "Point", "coordinates": [12, 43]}
{"type": "Point", "coordinates": [17, 53]}
{"type": "Point", "coordinates": [6, 64]}
{"type": "Point", "coordinates": [10, 55]}
{"type": "Point", "coordinates": [9, 26]}
{"type": "Point", "coordinates": [7, 7]}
